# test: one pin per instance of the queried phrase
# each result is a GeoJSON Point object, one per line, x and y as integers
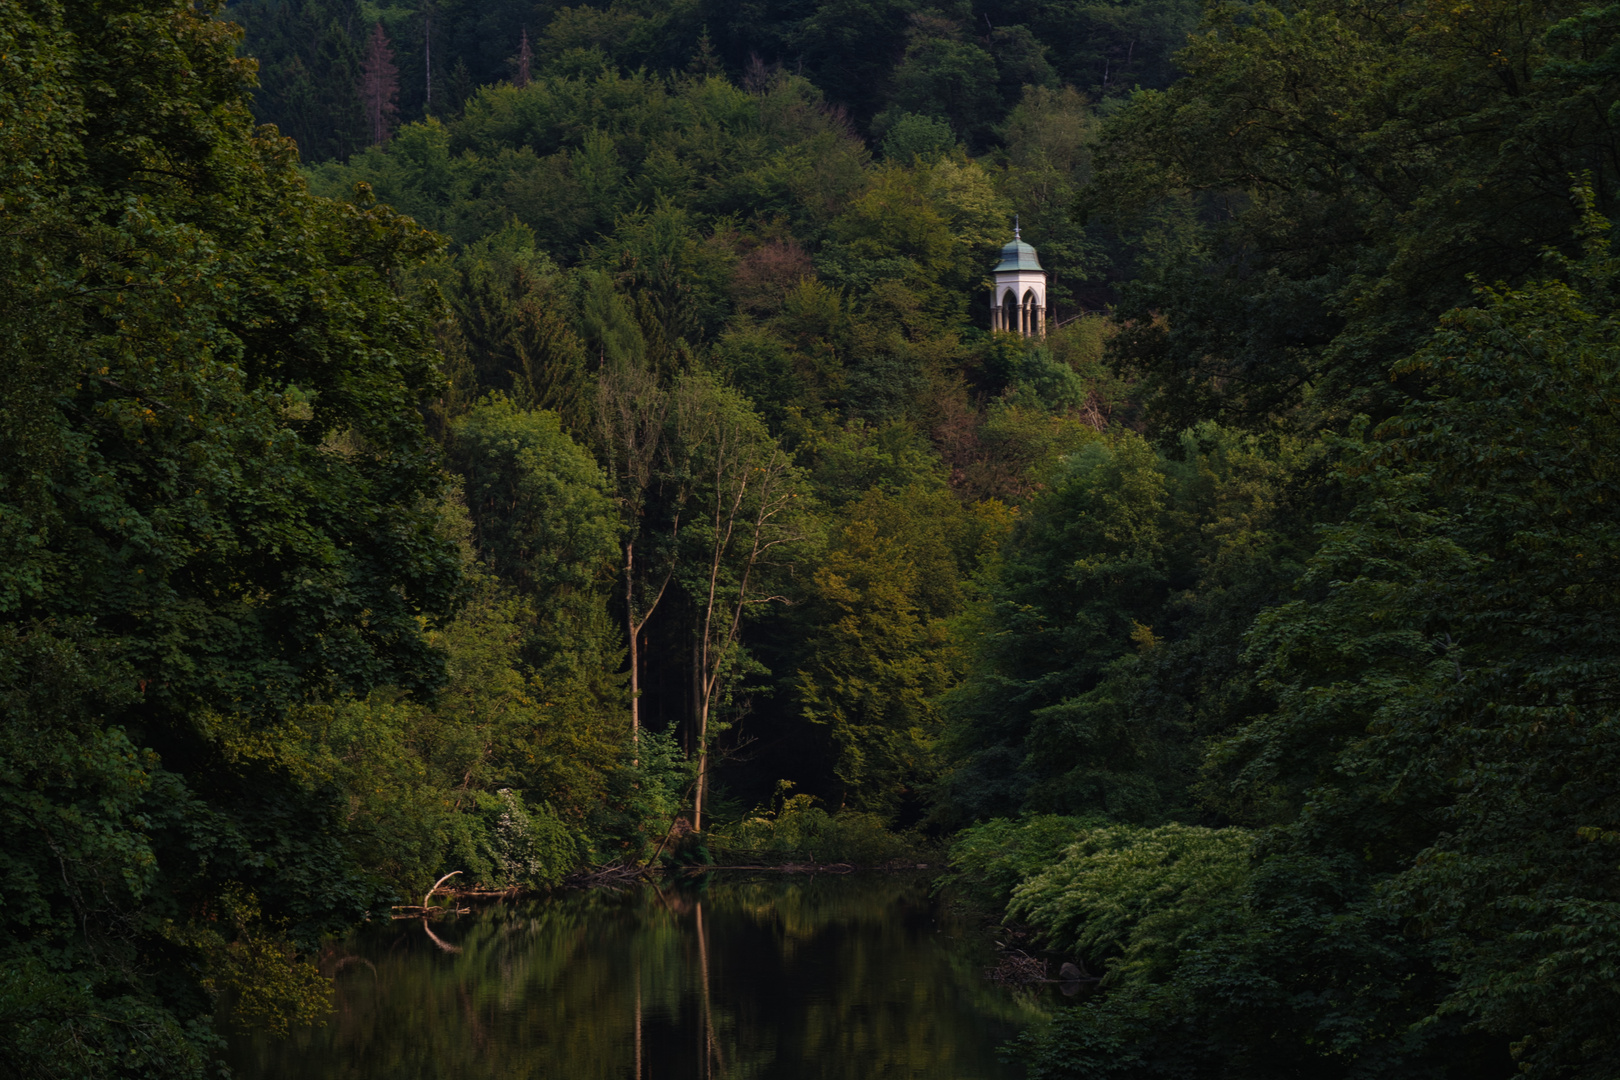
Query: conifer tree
{"type": "Point", "coordinates": [379, 85]}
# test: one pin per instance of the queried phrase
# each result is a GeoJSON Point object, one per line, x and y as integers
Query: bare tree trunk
{"type": "Point", "coordinates": [741, 470]}
{"type": "Point", "coordinates": [749, 489]}
{"type": "Point", "coordinates": [630, 414]}
{"type": "Point", "coordinates": [700, 725]}
{"type": "Point", "coordinates": [632, 634]}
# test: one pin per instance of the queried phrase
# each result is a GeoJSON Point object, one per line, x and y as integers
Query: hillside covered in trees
{"type": "Point", "coordinates": [515, 439]}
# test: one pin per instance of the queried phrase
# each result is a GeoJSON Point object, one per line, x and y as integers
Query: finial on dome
{"type": "Point", "coordinates": [1015, 228]}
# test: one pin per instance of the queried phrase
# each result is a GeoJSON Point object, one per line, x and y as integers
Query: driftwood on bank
{"type": "Point", "coordinates": [423, 911]}
{"type": "Point", "coordinates": [610, 876]}
{"type": "Point", "coordinates": [619, 875]}
{"type": "Point", "coordinates": [1017, 968]}
{"type": "Point", "coordinates": [780, 868]}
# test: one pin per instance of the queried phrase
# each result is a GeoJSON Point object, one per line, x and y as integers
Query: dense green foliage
{"type": "Point", "coordinates": [1314, 194]}
{"type": "Point", "coordinates": [888, 64]}
{"type": "Point", "coordinates": [1427, 790]}
{"type": "Point", "coordinates": [1251, 641]}
{"type": "Point", "coordinates": [218, 504]}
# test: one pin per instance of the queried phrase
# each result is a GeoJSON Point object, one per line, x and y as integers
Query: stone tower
{"type": "Point", "coordinates": [1018, 297]}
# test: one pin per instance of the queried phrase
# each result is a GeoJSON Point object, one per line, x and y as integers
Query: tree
{"type": "Point", "coordinates": [632, 416]}
{"type": "Point", "coordinates": [1434, 882]}
{"type": "Point", "coordinates": [910, 136]}
{"type": "Point", "coordinates": [676, 282]}
{"type": "Point", "coordinates": [511, 308]}
{"type": "Point", "coordinates": [748, 511]}
{"type": "Point", "coordinates": [943, 74]}
{"type": "Point", "coordinates": [525, 59]}
{"type": "Point", "coordinates": [541, 518]}
{"type": "Point", "coordinates": [1313, 195]}
{"type": "Point", "coordinates": [1108, 646]}
{"type": "Point", "coordinates": [877, 648]}
{"type": "Point", "coordinates": [379, 86]}
{"type": "Point", "coordinates": [217, 500]}
{"type": "Point", "coordinates": [1048, 136]}
{"type": "Point", "coordinates": [309, 54]}
{"type": "Point", "coordinates": [1457, 671]}
{"type": "Point", "coordinates": [544, 525]}
{"type": "Point", "coordinates": [1108, 49]}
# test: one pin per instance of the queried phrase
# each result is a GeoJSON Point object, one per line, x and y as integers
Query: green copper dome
{"type": "Point", "coordinates": [1018, 256]}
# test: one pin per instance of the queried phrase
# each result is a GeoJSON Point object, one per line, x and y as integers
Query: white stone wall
{"type": "Point", "coordinates": [1018, 303]}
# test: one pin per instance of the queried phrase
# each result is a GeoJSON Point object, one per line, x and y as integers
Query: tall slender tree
{"type": "Point", "coordinates": [379, 86]}
{"type": "Point", "coordinates": [427, 58]}
{"type": "Point", "coordinates": [631, 413]}
{"type": "Point", "coordinates": [525, 61]}
{"type": "Point", "coordinates": [747, 514]}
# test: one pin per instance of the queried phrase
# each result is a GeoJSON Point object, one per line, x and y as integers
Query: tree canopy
{"type": "Point", "coordinates": [515, 439]}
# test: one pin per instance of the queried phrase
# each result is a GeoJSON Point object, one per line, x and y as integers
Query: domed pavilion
{"type": "Point", "coordinates": [1018, 297]}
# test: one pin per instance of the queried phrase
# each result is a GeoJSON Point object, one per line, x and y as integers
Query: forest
{"type": "Point", "coordinates": [520, 439]}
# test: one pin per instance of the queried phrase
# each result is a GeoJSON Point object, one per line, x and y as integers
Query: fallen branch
{"type": "Point", "coordinates": [436, 885]}
{"type": "Point", "coordinates": [1019, 968]}
{"type": "Point", "coordinates": [345, 961]}
{"type": "Point", "coordinates": [413, 911]}
{"type": "Point", "coordinates": [423, 910]}
{"type": "Point", "coordinates": [781, 868]}
{"type": "Point", "coordinates": [607, 875]}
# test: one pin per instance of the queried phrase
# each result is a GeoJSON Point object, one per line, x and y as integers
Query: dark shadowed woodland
{"type": "Point", "coordinates": [522, 440]}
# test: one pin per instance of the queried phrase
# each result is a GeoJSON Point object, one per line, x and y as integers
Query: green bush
{"type": "Point", "coordinates": [645, 793]}
{"type": "Point", "coordinates": [798, 829]}
{"type": "Point", "coordinates": [523, 843]}
{"type": "Point", "coordinates": [1136, 897]}
{"type": "Point", "coordinates": [989, 860]}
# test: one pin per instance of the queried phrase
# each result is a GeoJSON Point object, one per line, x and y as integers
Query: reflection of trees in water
{"type": "Point", "coordinates": [830, 978]}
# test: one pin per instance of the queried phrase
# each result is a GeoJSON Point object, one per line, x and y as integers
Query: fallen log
{"type": "Point", "coordinates": [423, 910]}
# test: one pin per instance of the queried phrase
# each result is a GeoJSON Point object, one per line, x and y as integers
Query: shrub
{"type": "Point", "coordinates": [1136, 897]}
{"type": "Point", "coordinates": [800, 829]}
{"type": "Point", "coordinates": [522, 843]}
{"type": "Point", "coordinates": [992, 858]}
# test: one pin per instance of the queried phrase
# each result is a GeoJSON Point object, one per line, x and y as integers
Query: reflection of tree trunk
{"type": "Point", "coordinates": [708, 1018]}
{"type": "Point", "coordinates": [480, 1037]}
{"type": "Point", "coordinates": [638, 1022]}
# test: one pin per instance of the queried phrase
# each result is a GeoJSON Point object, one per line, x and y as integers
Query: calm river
{"type": "Point", "coordinates": [857, 976]}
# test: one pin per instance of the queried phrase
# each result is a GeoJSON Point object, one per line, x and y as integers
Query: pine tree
{"type": "Point", "coordinates": [704, 61]}
{"type": "Point", "coordinates": [379, 85]}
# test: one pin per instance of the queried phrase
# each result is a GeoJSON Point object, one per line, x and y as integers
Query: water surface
{"type": "Point", "coordinates": [836, 977]}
